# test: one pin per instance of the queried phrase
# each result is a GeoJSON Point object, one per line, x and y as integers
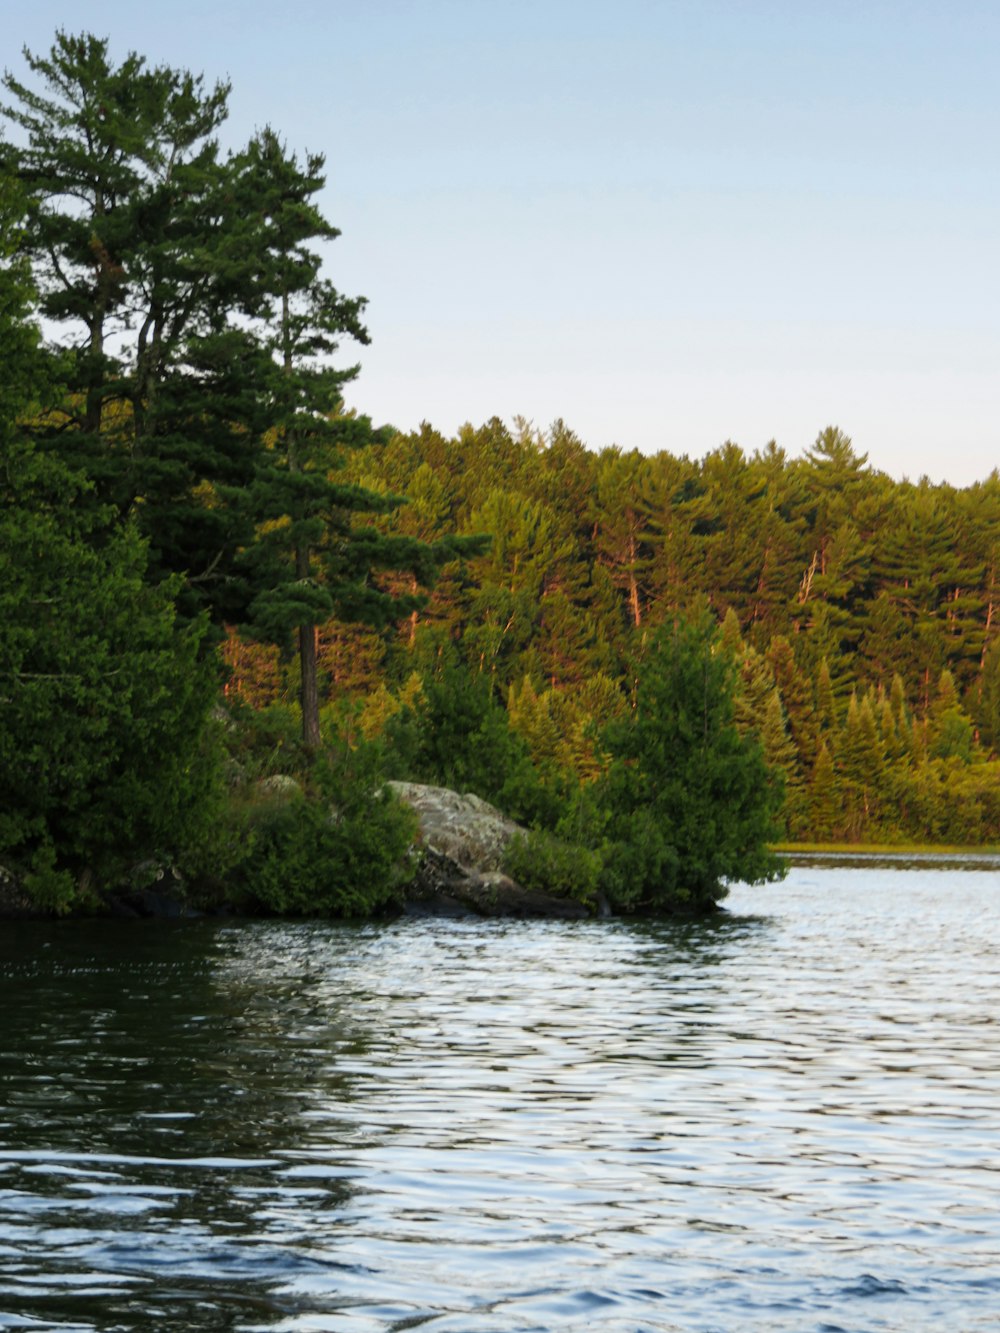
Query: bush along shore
{"type": "Point", "coordinates": [681, 802]}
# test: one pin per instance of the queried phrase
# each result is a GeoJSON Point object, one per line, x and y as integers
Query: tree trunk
{"type": "Point", "coordinates": [308, 686]}
{"type": "Point", "coordinates": [635, 606]}
{"type": "Point", "coordinates": [413, 614]}
{"type": "Point", "coordinates": [309, 692]}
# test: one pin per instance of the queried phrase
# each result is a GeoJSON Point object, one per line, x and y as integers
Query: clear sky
{"type": "Point", "coordinates": [669, 222]}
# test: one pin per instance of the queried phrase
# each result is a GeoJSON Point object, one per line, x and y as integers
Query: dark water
{"type": "Point", "coordinates": [785, 1120]}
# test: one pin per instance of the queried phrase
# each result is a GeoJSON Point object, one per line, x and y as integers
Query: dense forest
{"type": "Point", "coordinates": [213, 576]}
{"type": "Point", "coordinates": [861, 612]}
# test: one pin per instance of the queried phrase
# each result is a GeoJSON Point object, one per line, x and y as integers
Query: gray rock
{"type": "Point", "coordinates": [466, 829]}
{"type": "Point", "coordinates": [463, 839]}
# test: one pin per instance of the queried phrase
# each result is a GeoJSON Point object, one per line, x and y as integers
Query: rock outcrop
{"type": "Point", "coordinates": [462, 843]}
{"type": "Point", "coordinates": [459, 858]}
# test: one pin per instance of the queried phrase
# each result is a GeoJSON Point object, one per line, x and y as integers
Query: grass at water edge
{"type": "Point", "coordinates": [886, 848]}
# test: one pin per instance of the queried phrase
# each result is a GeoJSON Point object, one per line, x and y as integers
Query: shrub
{"type": "Point", "coordinates": [340, 850]}
{"type": "Point", "coordinates": [691, 801]}
{"type": "Point", "coordinates": [540, 861]}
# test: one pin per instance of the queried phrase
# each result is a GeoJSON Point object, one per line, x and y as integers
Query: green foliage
{"type": "Point", "coordinates": [546, 863]}
{"type": "Point", "coordinates": [692, 801]}
{"type": "Point", "coordinates": [315, 552]}
{"type": "Point", "coordinates": [262, 742]}
{"type": "Point", "coordinates": [986, 702]}
{"type": "Point", "coordinates": [800, 556]}
{"type": "Point", "coordinates": [457, 734]}
{"type": "Point", "coordinates": [49, 888]}
{"type": "Point", "coordinates": [105, 696]}
{"type": "Point", "coordinates": [339, 851]}
{"type": "Point", "coordinates": [950, 734]}
{"type": "Point", "coordinates": [826, 798]}
{"type": "Point", "coordinates": [141, 250]}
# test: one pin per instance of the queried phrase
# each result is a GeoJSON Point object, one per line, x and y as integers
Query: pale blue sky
{"type": "Point", "coordinates": [668, 223]}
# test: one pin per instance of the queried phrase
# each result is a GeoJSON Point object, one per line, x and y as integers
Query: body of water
{"type": "Point", "coordinates": [784, 1119]}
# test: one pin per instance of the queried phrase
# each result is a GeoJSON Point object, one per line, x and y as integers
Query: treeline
{"type": "Point", "coordinates": [645, 659]}
{"type": "Point", "coordinates": [862, 612]}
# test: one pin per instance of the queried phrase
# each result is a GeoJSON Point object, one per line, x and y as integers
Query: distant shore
{"type": "Point", "coordinates": [794, 849]}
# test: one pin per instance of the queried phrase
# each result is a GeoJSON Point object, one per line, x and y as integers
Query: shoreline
{"type": "Point", "coordinates": [792, 849]}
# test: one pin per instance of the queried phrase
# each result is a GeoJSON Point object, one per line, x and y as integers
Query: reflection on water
{"type": "Point", "coordinates": [787, 1119]}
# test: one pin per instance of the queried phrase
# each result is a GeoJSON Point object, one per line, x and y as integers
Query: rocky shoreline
{"type": "Point", "coordinates": [462, 843]}
{"type": "Point", "coordinates": [459, 857]}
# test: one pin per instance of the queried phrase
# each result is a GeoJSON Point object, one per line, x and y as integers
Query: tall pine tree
{"type": "Point", "coordinates": [310, 560]}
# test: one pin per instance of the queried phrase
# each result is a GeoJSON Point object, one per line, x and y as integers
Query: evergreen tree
{"type": "Point", "coordinates": [300, 320]}
{"type": "Point", "coordinates": [309, 562]}
{"type": "Point", "coordinates": [781, 524]}
{"type": "Point", "coordinates": [936, 621]}
{"type": "Point", "coordinates": [676, 571]}
{"type": "Point", "coordinates": [827, 711]}
{"type": "Point", "coordinates": [950, 731]}
{"type": "Point", "coordinates": [861, 757]}
{"type": "Point", "coordinates": [104, 698]}
{"type": "Point", "coordinates": [900, 712]}
{"type": "Point", "coordinates": [987, 699]}
{"type": "Point", "coordinates": [885, 640]}
{"type": "Point", "coordinates": [796, 696]}
{"type": "Point", "coordinates": [730, 519]}
{"type": "Point", "coordinates": [692, 801]}
{"type": "Point", "coordinates": [457, 734]}
{"type": "Point", "coordinates": [566, 482]}
{"type": "Point", "coordinates": [757, 709]}
{"type": "Point", "coordinates": [979, 507]}
{"type": "Point", "coordinates": [141, 252]}
{"type": "Point", "coordinates": [425, 516]}
{"type": "Point", "coordinates": [103, 701]}
{"type": "Point", "coordinates": [623, 527]}
{"type": "Point", "coordinates": [826, 809]}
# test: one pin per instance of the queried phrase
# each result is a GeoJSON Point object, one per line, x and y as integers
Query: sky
{"type": "Point", "coordinates": [670, 223]}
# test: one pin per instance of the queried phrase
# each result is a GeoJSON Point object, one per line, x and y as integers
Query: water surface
{"type": "Point", "coordinates": [786, 1119]}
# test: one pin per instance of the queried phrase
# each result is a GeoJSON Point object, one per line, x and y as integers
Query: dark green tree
{"type": "Point", "coordinates": [796, 694]}
{"type": "Point", "coordinates": [729, 519]}
{"type": "Point", "coordinates": [458, 735]}
{"type": "Point", "coordinates": [692, 801]}
{"type": "Point", "coordinates": [103, 697]}
{"type": "Point", "coordinates": [932, 590]}
{"type": "Point", "coordinates": [309, 561]}
{"type": "Point", "coordinates": [950, 732]}
{"type": "Point", "coordinates": [142, 249]}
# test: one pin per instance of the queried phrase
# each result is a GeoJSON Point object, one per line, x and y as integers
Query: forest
{"type": "Point", "coordinates": [860, 612]}
{"type": "Point", "coordinates": [214, 577]}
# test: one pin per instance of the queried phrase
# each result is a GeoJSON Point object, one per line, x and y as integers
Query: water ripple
{"type": "Point", "coordinates": [788, 1119]}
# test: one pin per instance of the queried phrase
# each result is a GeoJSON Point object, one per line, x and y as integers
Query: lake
{"type": "Point", "coordinates": [785, 1119]}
